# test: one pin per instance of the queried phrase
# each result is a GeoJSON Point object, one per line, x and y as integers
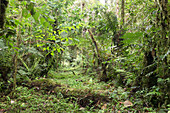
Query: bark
{"type": "Point", "coordinates": [117, 8]}
{"type": "Point", "coordinates": [100, 60]}
{"type": "Point", "coordinates": [3, 6]}
{"type": "Point", "coordinates": [18, 41]}
{"type": "Point", "coordinates": [163, 44]}
{"type": "Point", "coordinates": [162, 22]}
{"type": "Point", "coordinates": [122, 14]}
{"type": "Point", "coordinates": [155, 66]}
{"type": "Point", "coordinates": [97, 49]}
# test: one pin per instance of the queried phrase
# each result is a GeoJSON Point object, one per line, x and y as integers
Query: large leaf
{"type": "Point", "coordinates": [24, 12]}
{"type": "Point", "coordinates": [42, 20]}
{"type": "Point", "coordinates": [131, 38]}
{"type": "Point", "coordinates": [36, 16]}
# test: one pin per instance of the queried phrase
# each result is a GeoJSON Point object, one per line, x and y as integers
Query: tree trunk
{"type": "Point", "coordinates": [163, 44]}
{"type": "Point", "coordinates": [105, 2]}
{"type": "Point", "coordinates": [117, 9]}
{"type": "Point", "coordinates": [156, 65]}
{"type": "Point", "coordinates": [3, 6]}
{"type": "Point", "coordinates": [122, 14]}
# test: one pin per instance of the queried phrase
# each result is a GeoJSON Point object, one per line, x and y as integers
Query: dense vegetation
{"type": "Point", "coordinates": [84, 56]}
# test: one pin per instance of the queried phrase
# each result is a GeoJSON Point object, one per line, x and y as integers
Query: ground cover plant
{"type": "Point", "coordinates": [108, 56]}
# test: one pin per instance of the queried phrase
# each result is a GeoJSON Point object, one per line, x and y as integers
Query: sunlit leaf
{"type": "Point", "coordinates": [24, 12]}
{"type": "Point", "coordinates": [58, 41]}
{"type": "Point", "coordinates": [46, 24]}
{"type": "Point", "coordinates": [59, 50]}
{"type": "Point", "coordinates": [36, 17]}
{"type": "Point", "coordinates": [127, 103]}
{"type": "Point", "coordinates": [120, 70]}
{"type": "Point", "coordinates": [44, 49]}
{"type": "Point", "coordinates": [17, 22]}
{"type": "Point", "coordinates": [52, 53]}
{"type": "Point", "coordinates": [51, 19]}
{"type": "Point", "coordinates": [131, 38]}
{"type": "Point", "coordinates": [42, 20]}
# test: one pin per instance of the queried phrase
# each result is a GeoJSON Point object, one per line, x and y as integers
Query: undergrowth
{"type": "Point", "coordinates": [77, 93]}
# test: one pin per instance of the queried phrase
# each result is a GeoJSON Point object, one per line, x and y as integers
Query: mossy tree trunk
{"type": "Point", "coordinates": [155, 73]}
{"type": "Point", "coordinates": [156, 55]}
{"type": "Point", "coordinates": [3, 6]}
{"type": "Point", "coordinates": [163, 46]}
{"type": "Point", "coordinates": [122, 14]}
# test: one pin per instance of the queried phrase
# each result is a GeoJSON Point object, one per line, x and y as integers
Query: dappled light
{"type": "Point", "coordinates": [99, 56]}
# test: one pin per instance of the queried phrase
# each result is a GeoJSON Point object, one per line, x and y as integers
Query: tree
{"type": "Point", "coordinates": [3, 6]}
{"type": "Point", "coordinates": [122, 14]}
{"type": "Point", "coordinates": [153, 72]}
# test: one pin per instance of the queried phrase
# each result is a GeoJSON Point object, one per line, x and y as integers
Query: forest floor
{"type": "Point", "coordinates": [67, 91]}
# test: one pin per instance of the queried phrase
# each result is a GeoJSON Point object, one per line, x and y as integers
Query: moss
{"type": "Point", "coordinates": [3, 6]}
{"type": "Point", "coordinates": [44, 83]}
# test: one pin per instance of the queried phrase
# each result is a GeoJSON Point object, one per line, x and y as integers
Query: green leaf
{"type": "Point", "coordinates": [59, 50]}
{"type": "Point", "coordinates": [52, 53]}
{"type": "Point", "coordinates": [24, 12]}
{"type": "Point", "coordinates": [23, 63]}
{"type": "Point", "coordinates": [51, 19]}
{"type": "Point", "coordinates": [46, 24]}
{"type": "Point", "coordinates": [120, 70]}
{"type": "Point", "coordinates": [131, 38]}
{"type": "Point", "coordinates": [42, 20]}
{"type": "Point", "coordinates": [24, 2]}
{"type": "Point", "coordinates": [57, 41]}
{"type": "Point", "coordinates": [53, 38]}
{"type": "Point", "coordinates": [48, 48]}
{"type": "Point", "coordinates": [17, 22]}
{"type": "Point", "coordinates": [40, 45]}
{"type": "Point", "coordinates": [63, 34]}
{"type": "Point", "coordinates": [36, 16]}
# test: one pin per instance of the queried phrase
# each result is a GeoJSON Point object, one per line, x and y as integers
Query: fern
{"type": "Point", "coordinates": [131, 38]}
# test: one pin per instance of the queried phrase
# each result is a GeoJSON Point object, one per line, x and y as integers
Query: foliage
{"type": "Point", "coordinates": [131, 38]}
{"type": "Point", "coordinates": [5, 61]}
{"type": "Point", "coordinates": [145, 65]}
{"type": "Point", "coordinates": [27, 100]}
{"type": "Point", "coordinates": [86, 46]}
